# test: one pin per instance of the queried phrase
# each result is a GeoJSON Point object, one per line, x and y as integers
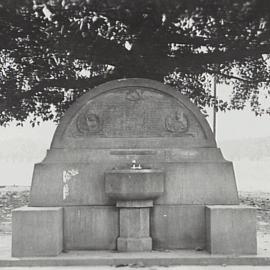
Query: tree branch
{"type": "Point", "coordinates": [188, 62]}
{"type": "Point", "coordinates": [100, 50]}
{"type": "Point", "coordinates": [73, 83]}
{"type": "Point", "coordinates": [230, 76]}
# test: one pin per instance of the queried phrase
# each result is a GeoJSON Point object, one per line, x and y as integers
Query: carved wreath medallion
{"type": "Point", "coordinates": [176, 122]}
{"type": "Point", "coordinates": [89, 123]}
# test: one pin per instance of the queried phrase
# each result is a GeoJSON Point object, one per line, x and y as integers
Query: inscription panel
{"type": "Point", "coordinates": [134, 112]}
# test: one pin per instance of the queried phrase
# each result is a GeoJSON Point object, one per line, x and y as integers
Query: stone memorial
{"type": "Point", "coordinates": [133, 166]}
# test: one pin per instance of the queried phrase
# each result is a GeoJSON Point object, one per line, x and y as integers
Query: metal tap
{"type": "Point", "coordinates": [135, 165]}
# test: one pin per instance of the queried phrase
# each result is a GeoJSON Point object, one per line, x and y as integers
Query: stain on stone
{"type": "Point", "coordinates": [67, 178]}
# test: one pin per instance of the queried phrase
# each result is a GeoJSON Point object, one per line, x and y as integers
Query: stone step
{"type": "Point", "coordinates": [112, 258]}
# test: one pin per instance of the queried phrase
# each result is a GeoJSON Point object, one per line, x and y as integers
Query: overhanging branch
{"type": "Point", "coordinates": [73, 83]}
{"type": "Point", "coordinates": [231, 76]}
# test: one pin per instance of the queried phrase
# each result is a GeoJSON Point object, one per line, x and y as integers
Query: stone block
{"type": "Point", "coordinates": [134, 222]}
{"type": "Point", "coordinates": [201, 182]}
{"type": "Point", "coordinates": [69, 184]}
{"type": "Point", "coordinates": [37, 231]}
{"type": "Point", "coordinates": [134, 244]}
{"type": "Point", "coordinates": [231, 229]}
{"type": "Point", "coordinates": [91, 227]}
{"type": "Point", "coordinates": [178, 226]}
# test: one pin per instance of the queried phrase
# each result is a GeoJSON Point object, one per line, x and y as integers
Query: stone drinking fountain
{"type": "Point", "coordinates": [133, 166]}
{"type": "Point", "coordinates": [134, 191]}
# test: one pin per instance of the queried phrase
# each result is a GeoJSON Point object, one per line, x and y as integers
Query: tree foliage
{"type": "Point", "coordinates": [54, 51]}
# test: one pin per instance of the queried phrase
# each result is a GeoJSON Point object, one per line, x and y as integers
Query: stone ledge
{"type": "Point", "coordinates": [135, 204]}
{"type": "Point", "coordinates": [94, 258]}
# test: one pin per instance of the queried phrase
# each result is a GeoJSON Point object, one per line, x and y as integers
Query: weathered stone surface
{"type": "Point", "coordinates": [178, 226]}
{"type": "Point", "coordinates": [231, 229]}
{"type": "Point", "coordinates": [135, 204]}
{"type": "Point", "coordinates": [199, 183]}
{"type": "Point", "coordinates": [134, 244]}
{"type": "Point", "coordinates": [189, 182]}
{"type": "Point", "coordinates": [134, 222]}
{"type": "Point", "coordinates": [91, 227]}
{"type": "Point", "coordinates": [37, 231]}
{"type": "Point", "coordinates": [132, 108]}
{"type": "Point", "coordinates": [131, 184]}
{"type": "Point", "coordinates": [134, 112]}
{"type": "Point", "coordinates": [134, 230]}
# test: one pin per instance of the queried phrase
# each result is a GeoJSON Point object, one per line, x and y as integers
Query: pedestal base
{"type": "Point", "coordinates": [134, 244]}
{"type": "Point", "coordinates": [231, 229]}
{"type": "Point", "coordinates": [37, 231]}
{"type": "Point", "coordinates": [134, 226]}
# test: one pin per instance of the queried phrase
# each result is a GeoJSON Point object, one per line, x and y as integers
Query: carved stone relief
{"type": "Point", "coordinates": [134, 113]}
{"type": "Point", "coordinates": [134, 95]}
{"type": "Point", "coordinates": [177, 122]}
{"type": "Point", "coordinates": [89, 123]}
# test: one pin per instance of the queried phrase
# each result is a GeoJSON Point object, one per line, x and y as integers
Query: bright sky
{"type": "Point", "coordinates": [240, 124]}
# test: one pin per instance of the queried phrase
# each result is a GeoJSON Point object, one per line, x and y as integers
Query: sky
{"type": "Point", "coordinates": [240, 125]}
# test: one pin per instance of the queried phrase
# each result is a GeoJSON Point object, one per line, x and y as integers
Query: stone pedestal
{"type": "Point", "coordinates": [37, 231]}
{"type": "Point", "coordinates": [231, 229]}
{"type": "Point", "coordinates": [134, 226]}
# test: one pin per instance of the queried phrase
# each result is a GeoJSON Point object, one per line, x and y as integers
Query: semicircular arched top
{"type": "Point", "coordinates": [133, 113]}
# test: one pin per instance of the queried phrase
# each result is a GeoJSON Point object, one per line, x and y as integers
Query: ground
{"type": "Point", "coordinates": [11, 197]}
{"type": "Point", "coordinates": [261, 201]}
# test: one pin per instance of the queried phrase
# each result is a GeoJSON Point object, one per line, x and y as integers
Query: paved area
{"type": "Point", "coordinates": [222, 267]}
{"type": "Point", "coordinates": [119, 260]}
{"type": "Point", "coordinates": [263, 240]}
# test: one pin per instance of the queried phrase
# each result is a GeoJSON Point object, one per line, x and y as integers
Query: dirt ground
{"type": "Point", "coordinates": [261, 201]}
{"type": "Point", "coordinates": [12, 197]}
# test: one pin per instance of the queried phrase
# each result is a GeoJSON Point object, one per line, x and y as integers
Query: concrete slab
{"type": "Point", "coordinates": [112, 258]}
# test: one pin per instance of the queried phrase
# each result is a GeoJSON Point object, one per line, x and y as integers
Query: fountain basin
{"type": "Point", "coordinates": [130, 184]}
